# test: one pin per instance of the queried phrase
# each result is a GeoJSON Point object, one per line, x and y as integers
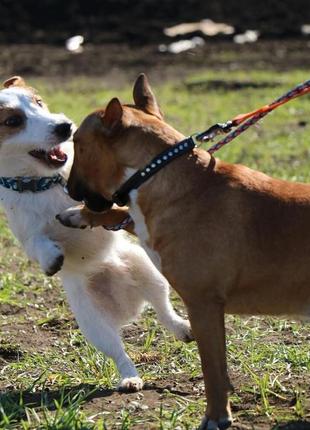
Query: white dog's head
{"type": "Point", "coordinates": [33, 141]}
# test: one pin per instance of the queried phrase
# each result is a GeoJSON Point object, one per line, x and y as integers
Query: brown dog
{"type": "Point", "coordinates": [229, 239]}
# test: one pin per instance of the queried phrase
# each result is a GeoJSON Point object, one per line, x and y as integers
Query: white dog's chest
{"type": "Point", "coordinates": [141, 229]}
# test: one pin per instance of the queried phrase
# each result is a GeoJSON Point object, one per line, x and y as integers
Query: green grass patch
{"type": "Point", "coordinates": [50, 378]}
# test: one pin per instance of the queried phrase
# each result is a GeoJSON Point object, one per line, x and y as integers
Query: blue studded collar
{"type": "Point", "coordinates": [33, 184]}
{"type": "Point", "coordinates": [121, 196]}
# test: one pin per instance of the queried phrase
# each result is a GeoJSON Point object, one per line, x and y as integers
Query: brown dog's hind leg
{"type": "Point", "coordinates": [207, 323]}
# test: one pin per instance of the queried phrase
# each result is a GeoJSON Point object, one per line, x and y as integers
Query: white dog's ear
{"type": "Point", "coordinates": [15, 81]}
{"type": "Point", "coordinates": [144, 97]}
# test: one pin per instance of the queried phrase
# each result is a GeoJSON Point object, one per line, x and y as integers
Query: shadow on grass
{"type": "Point", "coordinates": [293, 425]}
{"type": "Point", "coordinates": [229, 85]}
{"type": "Point", "coordinates": [14, 404]}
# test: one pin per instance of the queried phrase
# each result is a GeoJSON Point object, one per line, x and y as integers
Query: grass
{"type": "Point", "coordinates": [50, 378]}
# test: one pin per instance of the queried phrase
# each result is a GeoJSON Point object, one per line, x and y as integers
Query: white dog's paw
{"type": "Point", "coordinates": [132, 384]}
{"type": "Point", "coordinates": [72, 217]}
{"type": "Point", "coordinates": [52, 259]}
{"type": "Point", "coordinates": [182, 331]}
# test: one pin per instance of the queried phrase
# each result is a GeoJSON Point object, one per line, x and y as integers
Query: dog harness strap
{"type": "Point", "coordinates": [121, 196]}
{"type": "Point", "coordinates": [33, 184]}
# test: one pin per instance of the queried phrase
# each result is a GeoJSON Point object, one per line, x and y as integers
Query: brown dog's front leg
{"type": "Point", "coordinates": [207, 323]}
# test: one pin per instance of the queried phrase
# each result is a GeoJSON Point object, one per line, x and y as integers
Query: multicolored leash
{"type": "Point", "coordinates": [251, 117]}
{"type": "Point", "coordinates": [244, 121]}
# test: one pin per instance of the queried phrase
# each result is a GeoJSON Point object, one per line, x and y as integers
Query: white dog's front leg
{"type": "Point", "coordinates": [47, 253]}
{"type": "Point", "coordinates": [101, 332]}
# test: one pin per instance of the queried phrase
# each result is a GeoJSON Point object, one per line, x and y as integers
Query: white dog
{"type": "Point", "coordinates": [106, 276]}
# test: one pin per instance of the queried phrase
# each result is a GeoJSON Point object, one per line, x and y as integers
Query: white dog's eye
{"type": "Point", "coordinates": [14, 121]}
{"type": "Point", "coordinates": [39, 102]}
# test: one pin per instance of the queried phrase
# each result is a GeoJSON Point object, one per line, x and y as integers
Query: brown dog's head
{"type": "Point", "coordinates": [111, 141]}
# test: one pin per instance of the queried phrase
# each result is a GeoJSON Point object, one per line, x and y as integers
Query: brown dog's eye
{"type": "Point", "coordinates": [14, 121]}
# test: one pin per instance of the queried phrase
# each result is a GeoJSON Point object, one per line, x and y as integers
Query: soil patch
{"type": "Point", "coordinates": [119, 62]}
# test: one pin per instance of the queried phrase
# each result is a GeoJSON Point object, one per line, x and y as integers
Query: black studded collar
{"type": "Point", "coordinates": [121, 196]}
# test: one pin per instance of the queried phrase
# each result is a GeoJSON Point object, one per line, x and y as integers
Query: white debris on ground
{"type": "Point", "coordinates": [74, 44]}
{"type": "Point", "coordinates": [249, 36]}
{"type": "Point", "coordinates": [305, 29]}
{"type": "Point", "coordinates": [181, 45]}
{"type": "Point", "coordinates": [206, 26]}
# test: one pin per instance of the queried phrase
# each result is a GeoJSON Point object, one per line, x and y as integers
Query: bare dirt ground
{"type": "Point", "coordinates": [120, 62]}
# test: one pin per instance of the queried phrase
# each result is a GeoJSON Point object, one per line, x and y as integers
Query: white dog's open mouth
{"type": "Point", "coordinates": [53, 158]}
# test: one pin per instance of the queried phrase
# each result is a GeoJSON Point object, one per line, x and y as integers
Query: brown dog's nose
{"type": "Point", "coordinates": [63, 130]}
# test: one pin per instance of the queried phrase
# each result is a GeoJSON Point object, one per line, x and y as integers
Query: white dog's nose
{"type": "Point", "coordinates": [63, 130]}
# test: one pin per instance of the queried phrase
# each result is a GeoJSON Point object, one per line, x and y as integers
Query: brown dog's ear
{"type": "Point", "coordinates": [112, 116]}
{"type": "Point", "coordinates": [15, 81]}
{"type": "Point", "coordinates": [144, 97]}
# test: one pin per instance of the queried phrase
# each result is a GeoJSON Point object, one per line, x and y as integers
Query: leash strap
{"type": "Point", "coordinates": [248, 119]}
{"type": "Point", "coordinates": [33, 184]}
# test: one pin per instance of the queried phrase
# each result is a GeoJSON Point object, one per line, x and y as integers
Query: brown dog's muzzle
{"type": "Point", "coordinates": [80, 192]}
{"type": "Point", "coordinates": [96, 202]}
{"type": "Point", "coordinates": [75, 188]}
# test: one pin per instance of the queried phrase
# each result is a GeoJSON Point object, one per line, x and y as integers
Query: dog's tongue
{"type": "Point", "coordinates": [56, 156]}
